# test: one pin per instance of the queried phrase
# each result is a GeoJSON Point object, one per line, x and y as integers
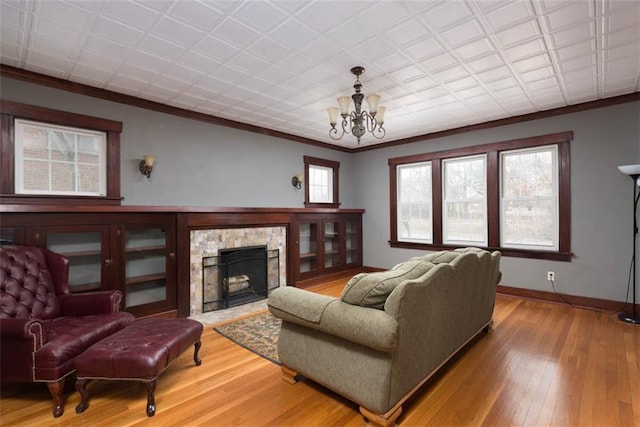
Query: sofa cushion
{"type": "Point", "coordinates": [372, 289]}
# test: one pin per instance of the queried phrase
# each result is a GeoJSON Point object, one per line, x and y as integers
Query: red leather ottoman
{"type": "Point", "coordinates": [139, 352]}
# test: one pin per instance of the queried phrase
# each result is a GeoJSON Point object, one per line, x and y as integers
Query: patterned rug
{"type": "Point", "coordinates": [258, 333]}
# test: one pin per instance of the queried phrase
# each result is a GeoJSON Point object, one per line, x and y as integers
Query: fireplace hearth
{"type": "Point", "coordinates": [238, 276]}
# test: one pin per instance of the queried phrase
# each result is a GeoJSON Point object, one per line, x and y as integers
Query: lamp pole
{"type": "Point", "coordinates": [633, 317]}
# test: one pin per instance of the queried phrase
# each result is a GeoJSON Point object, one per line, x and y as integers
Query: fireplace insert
{"type": "Point", "coordinates": [238, 276]}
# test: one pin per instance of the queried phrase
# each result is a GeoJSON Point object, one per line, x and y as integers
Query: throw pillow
{"type": "Point", "coordinates": [372, 289]}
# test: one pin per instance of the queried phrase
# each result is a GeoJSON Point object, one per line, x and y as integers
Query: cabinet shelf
{"type": "Point", "coordinates": [84, 287]}
{"type": "Point", "coordinates": [146, 278]}
{"type": "Point", "coordinates": [308, 255]}
{"type": "Point", "coordinates": [155, 248]}
{"type": "Point", "coordinates": [78, 254]}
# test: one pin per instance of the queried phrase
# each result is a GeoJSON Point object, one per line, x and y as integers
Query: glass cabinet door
{"type": "Point", "coordinates": [308, 247]}
{"type": "Point", "coordinates": [145, 265]}
{"type": "Point", "coordinates": [352, 241]}
{"type": "Point", "coordinates": [12, 236]}
{"type": "Point", "coordinates": [84, 249]}
{"type": "Point", "coordinates": [331, 239]}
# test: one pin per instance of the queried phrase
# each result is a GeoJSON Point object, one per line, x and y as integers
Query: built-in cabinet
{"type": "Point", "coordinates": [145, 251]}
{"type": "Point", "coordinates": [133, 253]}
{"type": "Point", "coordinates": [325, 243]}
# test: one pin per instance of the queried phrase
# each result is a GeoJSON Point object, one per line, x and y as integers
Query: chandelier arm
{"type": "Point", "coordinates": [380, 130]}
{"type": "Point", "coordinates": [346, 123]}
{"type": "Point", "coordinates": [370, 121]}
{"type": "Point", "coordinates": [333, 131]}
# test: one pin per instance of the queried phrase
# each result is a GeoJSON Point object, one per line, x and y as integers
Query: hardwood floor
{"type": "Point", "coordinates": [542, 364]}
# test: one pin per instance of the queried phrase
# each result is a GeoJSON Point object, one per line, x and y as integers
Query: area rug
{"type": "Point", "coordinates": [258, 333]}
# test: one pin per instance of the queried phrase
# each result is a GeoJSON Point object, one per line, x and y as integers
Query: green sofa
{"type": "Point", "coordinates": [390, 330]}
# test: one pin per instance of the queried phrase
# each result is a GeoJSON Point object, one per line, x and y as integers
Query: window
{"type": "Point", "coordinates": [414, 203]}
{"type": "Point", "coordinates": [511, 196]}
{"type": "Point", "coordinates": [58, 155]}
{"type": "Point", "coordinates": [465, 201]}
{"type": "Point", "coordinates": [529, 198]}
{"type": "Point", "coordinates": [59, 160]}
{"type": "Point", "coordinates": [321, 183]}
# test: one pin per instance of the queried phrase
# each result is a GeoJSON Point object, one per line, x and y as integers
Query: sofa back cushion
{"type": "Point", "coordinates": [26, 286]}
{"type": "Point", "coordinates": [372, 289]}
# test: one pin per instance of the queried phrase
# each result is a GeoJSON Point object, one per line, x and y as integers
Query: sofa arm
{"type": "Point", "coordinates": [85, 304]}
{"type": "Point", "coordinates": [298, 304]}
{"type": "Point", "coordinates": [366, 326]}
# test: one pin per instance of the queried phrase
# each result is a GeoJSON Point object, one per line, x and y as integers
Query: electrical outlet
{"type": "Point", "coordinates": [551, 276]}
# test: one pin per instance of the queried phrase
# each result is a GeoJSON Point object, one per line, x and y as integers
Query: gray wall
{"type": "Point", "coordinates": [601, 210]}
{"type": "Point", "coordinates": [196, 161]}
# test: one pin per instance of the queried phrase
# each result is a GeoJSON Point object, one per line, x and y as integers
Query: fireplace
{"type": "Point", "coordinates": [238, 276]}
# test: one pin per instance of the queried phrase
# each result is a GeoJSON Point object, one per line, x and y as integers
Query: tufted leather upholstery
{"type": "Point", "coordinates": [141, 351]}
{"type": "Point", "coordinates": [26, 285]}
{"type": "Point", "coordinates": [43, 327]}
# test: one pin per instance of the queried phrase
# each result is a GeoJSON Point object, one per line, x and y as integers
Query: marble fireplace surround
{"type": "Point", "coordinates": [207, 242]}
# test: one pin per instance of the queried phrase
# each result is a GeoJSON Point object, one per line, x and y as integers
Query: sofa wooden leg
{"type": "Point", "coordinates": [56, 388]}
{"type": "Point", "coordinates": [289, 375]}
{"type": "Point", "coordinates": [383, 420]}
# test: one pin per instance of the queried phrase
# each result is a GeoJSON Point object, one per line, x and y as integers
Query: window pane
{"type": "Point", "coordinates": [320, 184]}
{"type": "Point", "coordinates": [529, 198]}
{"type": "Point", "coordinates": [414, 202]}
{"type": "Point", "coordinates": [465, 204]}
{"type": "Point", "coordinates": [59, 160]}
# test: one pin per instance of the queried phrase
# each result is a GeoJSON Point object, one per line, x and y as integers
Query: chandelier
{"type": "Point", "coordinates": [357, 122]}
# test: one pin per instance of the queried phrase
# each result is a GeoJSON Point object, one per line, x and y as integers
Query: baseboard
{"type": "Point", "coordinates": [328, 277]}
{"type": "Point", "coordinates": [578, 301]}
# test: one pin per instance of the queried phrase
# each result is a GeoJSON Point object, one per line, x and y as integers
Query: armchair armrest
{"type": "Point", "coordinates": [18, 329]}
{"type": "Point", "coordinates": [85, 304]}
{"type": "Point", "coordinates": [20, 339]}
{"type": "Point", "coordinates": [366, 326]}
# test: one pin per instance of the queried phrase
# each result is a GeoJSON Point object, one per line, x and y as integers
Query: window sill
{"type": "Point", "coordinates": [509, 252]}
{"type": "Point", "coordinates": [321, 205]}
{"type": "Point", "coordinates": [31, 199]}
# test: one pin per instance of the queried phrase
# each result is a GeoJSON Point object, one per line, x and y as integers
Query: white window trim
{"type": "Point", "coordinates": [556, 199]}
{"type": "Point", "coordinates": [446, 201]}
{"type": "Point", "coordinates": [19, 159]}
{"type": "Point", "coordinates": [329, 187]}
{"type": "Point", "coordinates": [398, 204]}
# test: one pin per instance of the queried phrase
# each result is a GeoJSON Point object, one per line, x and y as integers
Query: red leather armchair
{"type": "Point", "coordinates": [43, 327]}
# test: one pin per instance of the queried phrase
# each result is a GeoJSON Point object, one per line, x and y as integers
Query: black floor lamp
{"type": "Point", "coordinates": [634, 172]}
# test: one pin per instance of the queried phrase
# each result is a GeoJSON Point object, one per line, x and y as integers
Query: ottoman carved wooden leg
{"type": "Point", "coordinates": [151, 397]}
{"type": "Point", "coordinates": [81, 387]}
{"type": "Point", "coordinates": [197, 345]}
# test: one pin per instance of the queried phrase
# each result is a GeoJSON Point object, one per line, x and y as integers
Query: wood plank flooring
{"type": "Point", "coordinates": [543, 364]}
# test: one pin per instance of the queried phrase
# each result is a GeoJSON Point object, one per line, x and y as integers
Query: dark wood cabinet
{"type": "Point", "coordinates": [323, 244]}
{"type": "Point", "coordinates": [132, 252]}
{"type": "Point", "coordinates": [145, 251]}
{"type": "Point", "coordinates": [147, 271]}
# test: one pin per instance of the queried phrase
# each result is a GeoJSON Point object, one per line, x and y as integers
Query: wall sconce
{"type": "Point", "coordinates": [296, 181]}
{"type": "Point", "coordinates": [146, 165]}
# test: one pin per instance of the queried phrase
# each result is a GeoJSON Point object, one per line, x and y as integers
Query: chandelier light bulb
{"type": "Point", "coordinates": [333, 115]}
{"type": "Point", "coordinates": [372, 102]}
